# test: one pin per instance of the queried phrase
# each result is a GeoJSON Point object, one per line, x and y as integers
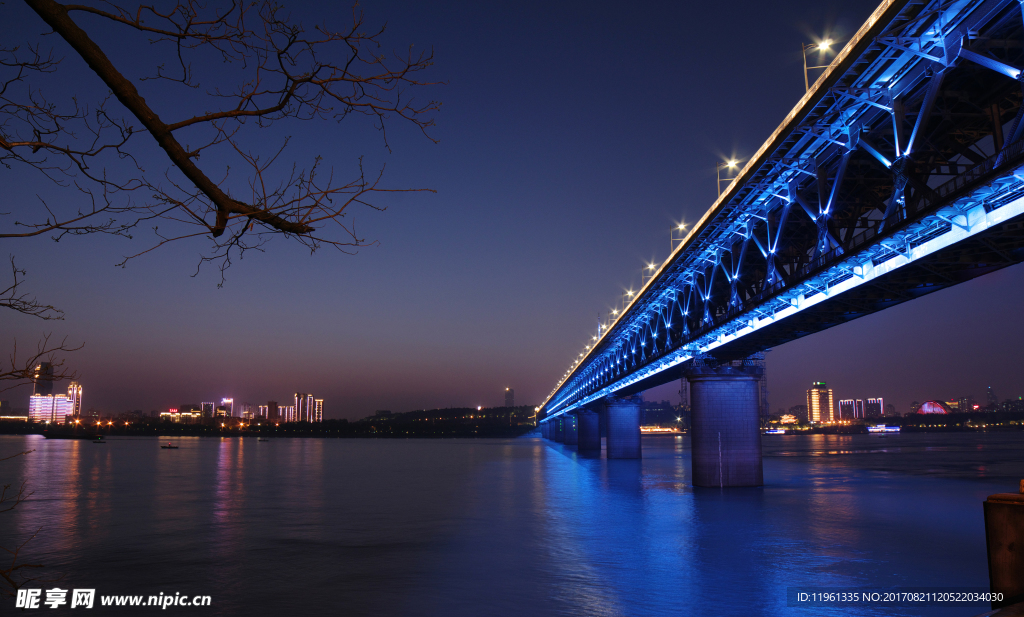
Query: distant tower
{"type": "Point", "coordinates": [874, 408]}
{"type": "Point", "coordinates": [43, 379]}
{"type": "Point", "coordinates": [990, 397]}
{"type": "Point", "coordinates": [318, 410]}
{"type": "Point", "coordinates": [208, 409]}
{"type": "Point", "coordinates": [304, 407]}
{"type": "Point", "coordinates": [510, 397]}
{"type": "Point", "coordinates": [75, 397]}
{"type": "Point", "coordinates": [819, 403]}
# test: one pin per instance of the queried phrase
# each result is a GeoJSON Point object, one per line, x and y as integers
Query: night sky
{"type": "Point", "coordinates": [573, 136]}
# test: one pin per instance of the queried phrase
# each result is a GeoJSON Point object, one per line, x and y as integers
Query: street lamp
{"type": "Point", "coordinates": [730, 164]}
{"type": "Point", "coordinates": [679, 229]}
{"type": "Point", "coordinates": [647, 274]}
{"type": "Point", "coordinates": [822, 47]}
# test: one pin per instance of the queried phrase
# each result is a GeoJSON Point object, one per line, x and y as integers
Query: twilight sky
{"type": "Point", "coordinates": [573, 135]}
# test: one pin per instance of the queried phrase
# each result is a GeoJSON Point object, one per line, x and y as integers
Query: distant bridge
{"type": "Point", "coordinates": [899, 173]}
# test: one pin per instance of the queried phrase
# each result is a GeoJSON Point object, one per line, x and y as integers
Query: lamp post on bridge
{"type": "Point", "coordinates": [647, 274]}
{"type": "Point", "coordinates": [730, 164]}
{"type": "Point", "coordinates": [679, 229]}
{"type": "Point", "coordinates": [822, 47]}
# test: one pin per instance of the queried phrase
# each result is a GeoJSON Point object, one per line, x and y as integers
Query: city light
{"type": "Point", "coordinates": [824, 45]}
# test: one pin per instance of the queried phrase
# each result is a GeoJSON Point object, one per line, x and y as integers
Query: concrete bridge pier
{"type": "Point", "coordinates": [571, 429]}
{"type": "Point", "coordinates": [558, 429]}
{"type": "Point", "coordinates": [623, 428]}
{"type": "Point", "coordinates": [589, 431]}
{"type": "Point", "coordinates": [725, 432]}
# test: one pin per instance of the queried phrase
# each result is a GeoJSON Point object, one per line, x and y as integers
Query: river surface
{"type": "Point", "coordinates": [297, 527]}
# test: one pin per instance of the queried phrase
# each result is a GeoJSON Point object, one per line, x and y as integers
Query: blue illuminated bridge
{"type": "Point", "coordinates": [899, 173]}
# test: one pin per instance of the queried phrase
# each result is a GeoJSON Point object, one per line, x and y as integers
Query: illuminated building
{"type": "Point", "coordinates": [510, 397]}
{"type": "Point", "coordinates": [819, 403]}
{"type": "Point", "coordinates": [262, 411]}
{"type": "Point", "coordinates": [75, 394]}
{"type": "Point", "coordinates": [953, 405]}
{"type": "Point", "coordinates": [188, 415]}
{"type": "Point", "coordinates": [228, 404]}
{"type": "Point", "coordinates": [208, 409]}
{"type": "Point", "coordinates": [272, 411]}
{"type": "Point", "coordinates": [308, 409]}
{"type": "Point", "coordinates": [874, 407]}
{"type": "Point", "coordinates": [57, 408]}
{"type": "Point", "coordinates": [42, 379]}
{"type": "Point", "coordinates": [937, 407]}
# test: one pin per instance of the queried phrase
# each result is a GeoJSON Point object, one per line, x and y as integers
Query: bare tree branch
{"type": "Point", "coordinates": [15, 372]}
{"type": "Point", "coordinates": [10, 298]}
{"type": "Point", "coordinates": [282, 71]}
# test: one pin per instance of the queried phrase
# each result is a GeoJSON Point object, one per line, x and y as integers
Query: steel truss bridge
{"type": "Point", "coordinates": [901, 172]}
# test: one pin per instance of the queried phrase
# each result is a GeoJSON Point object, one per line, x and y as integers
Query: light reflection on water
{"type": "Point", "coordinates": [506, 527]}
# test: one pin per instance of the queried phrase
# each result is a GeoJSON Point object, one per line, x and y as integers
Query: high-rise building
{"type": "Point", "coordinates": [57, 408]}
{"type": "Point", "coordinates": [49, 408]}
{"type": "Point", "coordinates": [847, 409]}
{"type": "Point", "coordinates": [75, 396]}
{"type": "Point", "coordinates": [272, 411]}
{"type": "Point", "coordinates": [510, 397]}
{"type": "Point", "coordinates": [874, 408]}
{"type": "Point", "coordinates": [318, 410]}
{"type": "Point", "coordinates": [42, 379]}
{"type": "Point", "coordinates": [208, 409]}
{"type": "Point", "coordinates": [229, 406]}
{"type": "Point", "coordinates": [819, 403]}
{"type": "Point", "coordinates": [305, 407]}
{"type": "Point", "coordinates": [890, 410]}
{"type": "Point", "coordinates": [967, 404]}
{"type": "Point", "coordinates": [990, 397]}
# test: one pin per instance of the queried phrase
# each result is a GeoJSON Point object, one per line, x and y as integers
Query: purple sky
{"type": "Point", "coordinates": [573, 136]}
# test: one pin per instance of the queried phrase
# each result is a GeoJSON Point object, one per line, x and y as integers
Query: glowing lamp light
{"type": "Point", "coordinates": [478, 407]}
{"type": "Point", "coordinates": [824, 45]}
{"type": "Point", "coordinates": [731, 163]}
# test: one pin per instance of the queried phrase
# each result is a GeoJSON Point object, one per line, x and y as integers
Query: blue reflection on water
{"type": "Point", "coordinates": [507, 527]}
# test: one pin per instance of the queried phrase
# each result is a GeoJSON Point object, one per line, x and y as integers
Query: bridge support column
{"type": "Point", "coordinates": [623, 428]}
{"type": "Point", "coordinates": [725, 429]}
{"type": "Point", "coordinates": [589, 434]}
{"type": "Point", "coordinates": [544, 429]}
{"type": "Point", "coordinates": [571, 429]}
{"type": "Point", "coordinates": [558, 429]}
